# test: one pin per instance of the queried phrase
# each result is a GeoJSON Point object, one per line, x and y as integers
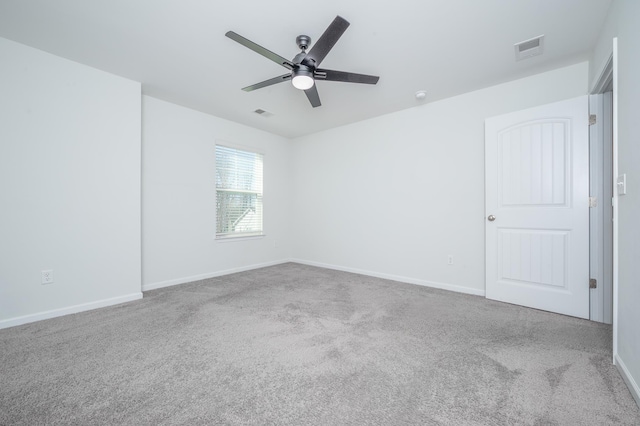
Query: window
{"type": "Point", "coordinates": [238, 192]}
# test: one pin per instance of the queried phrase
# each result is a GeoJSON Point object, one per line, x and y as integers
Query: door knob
{"type": "Point", "coordinates": [491, 218]}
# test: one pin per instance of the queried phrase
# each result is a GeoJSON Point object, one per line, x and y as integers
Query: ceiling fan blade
{"type": "Point", "coordinates": [349, 77]}
{"type": "Point", "coordinates": [312, 95]}
{"type": "Point", "coordinates": [259, 49]}
{"type": "Point", "coordinates": [271, 81]}
{"type": "Point", "coordinates": [326, 41]}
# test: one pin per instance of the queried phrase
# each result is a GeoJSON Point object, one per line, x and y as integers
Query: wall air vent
{"type": "Point", "coordinates": [263, 113]}
{"type": "Point", "coordinates": [528, 48]}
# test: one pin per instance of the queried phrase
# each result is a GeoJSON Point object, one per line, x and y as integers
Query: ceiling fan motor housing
{"type": "Point", "coordinates": [302, 70]}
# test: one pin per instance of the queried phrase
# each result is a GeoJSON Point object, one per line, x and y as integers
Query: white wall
{"type": "Point", "coordinates": [69, 185]}
{"type": "Point", "coordinates": [623, 23]}
{"type": "Point", "coordinates": [602, 49]}
{"type": "Point", "coordinates": [178, 188]}
{"type": "Point", "coordinates": [395, 195]}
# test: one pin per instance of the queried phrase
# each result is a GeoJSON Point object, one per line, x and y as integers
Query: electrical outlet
{"type": "Point", "coordinates": [450, 260]}
{"type": "Point", "coordinates": [47, 276]}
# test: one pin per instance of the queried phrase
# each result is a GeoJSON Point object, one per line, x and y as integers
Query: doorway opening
{"type": "Point", "coordinates": [601, 198]}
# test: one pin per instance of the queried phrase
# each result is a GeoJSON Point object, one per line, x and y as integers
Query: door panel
{"type": "Point", "coordinates": [537, 248]}
{"type": "Point", "coordinates": [534, 169]}
{"type": "Point", "coordinates": [533, 257]}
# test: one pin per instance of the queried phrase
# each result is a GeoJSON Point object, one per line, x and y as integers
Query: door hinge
{"type": "Point", "coordinates": [593, 202]}
{"type": "Point", "coordinates": [593, 283]}
{"type": "Point", "coordinates": [592, 119]}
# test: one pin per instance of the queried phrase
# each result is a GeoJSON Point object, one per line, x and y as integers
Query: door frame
{"type": "Point", "coordinates": [614, 56]}
{"type": "Point", "coordinates": [609, 73]}
{"type": "Point", "coordinates": [600, 213]}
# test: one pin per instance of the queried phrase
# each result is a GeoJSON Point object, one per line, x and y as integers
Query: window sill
{"type": "Point", "coordinates": [233, 238]}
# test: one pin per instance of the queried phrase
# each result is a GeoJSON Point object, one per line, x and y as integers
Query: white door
{"type": "Point", "coordinates": [537, 207]}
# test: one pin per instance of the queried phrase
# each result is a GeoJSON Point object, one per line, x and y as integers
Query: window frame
{"type": "Point", "coordinates": [238, 236]}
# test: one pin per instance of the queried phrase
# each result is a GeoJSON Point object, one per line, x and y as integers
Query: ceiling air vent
{"type": "Point", "coordinates": [528, 48]}
{"type": "Point", "coordinates": [265, 114]}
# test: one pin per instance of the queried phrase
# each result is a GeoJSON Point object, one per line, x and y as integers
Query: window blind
{"type": "Point", "coordinates": [238, 192]}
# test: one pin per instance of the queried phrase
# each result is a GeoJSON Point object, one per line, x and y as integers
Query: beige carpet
{"type": "Point", "coordinates": [298, 345]}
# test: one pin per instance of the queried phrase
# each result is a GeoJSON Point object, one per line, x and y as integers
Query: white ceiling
{"type": "Point", "coordinates": [178, 50]}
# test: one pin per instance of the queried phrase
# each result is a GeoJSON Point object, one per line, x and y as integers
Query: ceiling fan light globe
{"type": "Point", "coordinates": [302, 82]}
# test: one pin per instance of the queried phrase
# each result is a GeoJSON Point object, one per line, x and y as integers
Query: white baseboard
{"type": "Point", "coordinates": [12, 322]}
{"type": "Point", "coordinates": [628, 378]}
{"type": "Point", "coordinates": [409, 280]}
{"type": "Point", "coordinates": [184, 280]}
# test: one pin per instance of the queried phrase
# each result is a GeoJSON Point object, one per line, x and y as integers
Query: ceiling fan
{"type": "Point", "coordinates": [304, 66]}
